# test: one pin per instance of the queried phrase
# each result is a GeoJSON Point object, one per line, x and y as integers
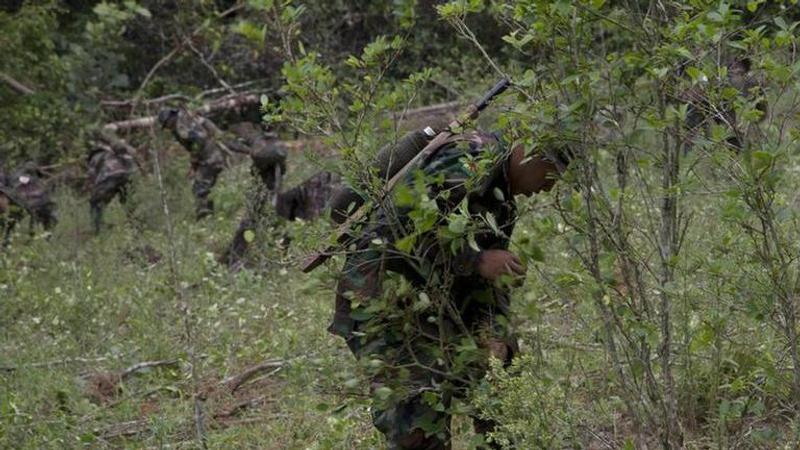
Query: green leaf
{"type": "Point", "coordinates": [457, 225]}
{"type": "Point", "coordinates": [422, 303]}
{"type": "Point", "coordinates": [492, 223]}
{"type": "Point", "coordinates": [535, 252]}
{"type": "Point", "coordinates": [498, 194]}
{"type": "Point", "coordinates": [406, 244]}
{"type": "Point", "coordinates": [762, 160]}
{"type": "Point", "coordinates": [249, 236]}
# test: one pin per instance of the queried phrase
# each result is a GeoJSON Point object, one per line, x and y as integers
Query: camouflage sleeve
{"type": "Point", "coordinates": [190, 131]}
{"type": "Point", "coordinates": [471, 169]}
{"type": "Point", "coordinates": [91, 172]}
{"type": "Point", "coordinates": [360, 281]}
{"type": "Point", "coordinates": [465, 261]}
{"type": "Point", "coordinates": [238, 146]}
{"type": "Point", "coordinates": [210, 127]}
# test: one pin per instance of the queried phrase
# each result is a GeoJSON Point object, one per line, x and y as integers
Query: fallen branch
{"type": "Point", "coordinates": [177, 96]}
{"type": "Point", "coordinates": [225, 103]}
{"type": "Point", "coordinates": [234, 382]}
{"type": "Point", "coordinates": [147, 365]}
{"type": "Point", "coordinates": [151, 101]}
{"type": "Point", "coordinates": [16, 85]}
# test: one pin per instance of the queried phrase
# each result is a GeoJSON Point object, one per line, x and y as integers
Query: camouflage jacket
{"type": "Point", "coordinates": [106, 164]}
{"type": "Point", "coordinates": [308, 199]}
{"type": "Point", "coordinates": [467, 179]}
{"type": "Point", "coordinates": [29, 189]}
{"type": "Point", "coordinates": [196, 134]}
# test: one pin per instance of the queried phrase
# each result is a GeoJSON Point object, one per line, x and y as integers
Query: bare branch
{"type": "Point", "coordinates": [234, 382]}
{"type": "Point", "coordinates": [16, 85]}
{"type": "Point", "coordinates": [210, 68]}
{"type": "Point", "coordinates": [225, 103]}
{"type": "Point", "coordinates": [147, 365]}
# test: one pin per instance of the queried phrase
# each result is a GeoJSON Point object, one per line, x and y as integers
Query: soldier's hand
{"type": "Point", "coordinates": [492, 264]}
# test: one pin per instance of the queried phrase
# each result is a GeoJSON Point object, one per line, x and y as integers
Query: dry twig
{"type": "Point", "coordinates": [16, 85]}
{"type": "Point", "coordinates": [234, 382]}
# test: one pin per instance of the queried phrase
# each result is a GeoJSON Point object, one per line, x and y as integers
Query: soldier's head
{"type": "Point", "coordinates": [529, 174]}
{"type": "Point", "coordinates": [168, 117]}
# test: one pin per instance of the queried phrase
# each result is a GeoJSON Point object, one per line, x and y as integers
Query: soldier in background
{"type": "Point", "coordinates": [703, 110]}
{"type": "Point", "coordinates": [197, 135]}
{"type": "Point", "coordinates": [111, 165]}
{"type": "Point", "coordinates": [31, 193]}
{"type": "Point", "coordinates": [11, 211]}
{"type": "Point", "coordinates": [306, 201]}
{"type": "Point", "coordinates": [267, 152]}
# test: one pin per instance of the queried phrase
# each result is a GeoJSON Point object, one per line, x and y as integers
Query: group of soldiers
{"type": "Point", "coordinates": [111, 164]}
{"type": "Point", "coordinates": [390, 329]}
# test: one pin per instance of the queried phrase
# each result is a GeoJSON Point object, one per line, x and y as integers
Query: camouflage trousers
{"type": "Point", "coordinates": [205, 177]}
{"type": "Point", "coordinates": [103, 193]}
{"type": "Point", "coordinates": [10, 214]}
{"type": "Point", "coordinates": [44, 214]}
{"type": "Point", "coordinates": [423, 364]}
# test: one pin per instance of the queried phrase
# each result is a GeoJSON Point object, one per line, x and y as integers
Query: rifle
{"type": "Point", "coordinates": [314, 261]}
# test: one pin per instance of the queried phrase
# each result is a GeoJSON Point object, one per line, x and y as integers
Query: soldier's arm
{"type": "Point", "coordinates": [211, 128]}
{"type": "Point", "coordinates": [457, 183]}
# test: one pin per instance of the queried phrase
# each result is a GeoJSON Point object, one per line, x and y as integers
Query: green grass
{"type": "Point", "coordinates": [76, 305]}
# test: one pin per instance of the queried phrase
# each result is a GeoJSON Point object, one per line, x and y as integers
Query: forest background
{"type": "Point", "coordinates": [660, 307]}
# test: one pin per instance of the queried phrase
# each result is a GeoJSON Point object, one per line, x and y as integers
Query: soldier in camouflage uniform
{"type": "Point", "coordinates": [31, 193]}
{"type": "Point", "coordinates": [267, 153]}
{"type": "Point", "coordinates": [197, 135]}
{"type": "Point", "coordinates": [308, 199]}
{"type": "Point", "coordinates": [426, 350]}
{"type": "Point", "coordinates": [111, 166]}
{"type": "Point", "coordinates": [703, 110]}
{"type": "Point", "coordinates": [305, 201]}
{"type": "Point", "coordinates": [11, 211]}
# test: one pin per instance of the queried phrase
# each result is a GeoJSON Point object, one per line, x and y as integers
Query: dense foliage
{"type": "Point", "coordinates": [660, 307]}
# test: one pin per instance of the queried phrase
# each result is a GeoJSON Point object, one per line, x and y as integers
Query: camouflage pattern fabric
{"type": "Point", "coordinates": [266, 151]}
{"type": "Point", "coordinates": [196, 134]}
{"type": "Point", "coordinates": [308, 199]}
{"type": "Point", "coordinates": [443, 351]}
{"type": "Point", "coordinates": [32, 194]}
{"type": "Point", "coordinates": [269, 160]}
{"type": "Point", "coordinates": [10, 211]}
{"type": "Point", "coordinates": [108, 176]}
